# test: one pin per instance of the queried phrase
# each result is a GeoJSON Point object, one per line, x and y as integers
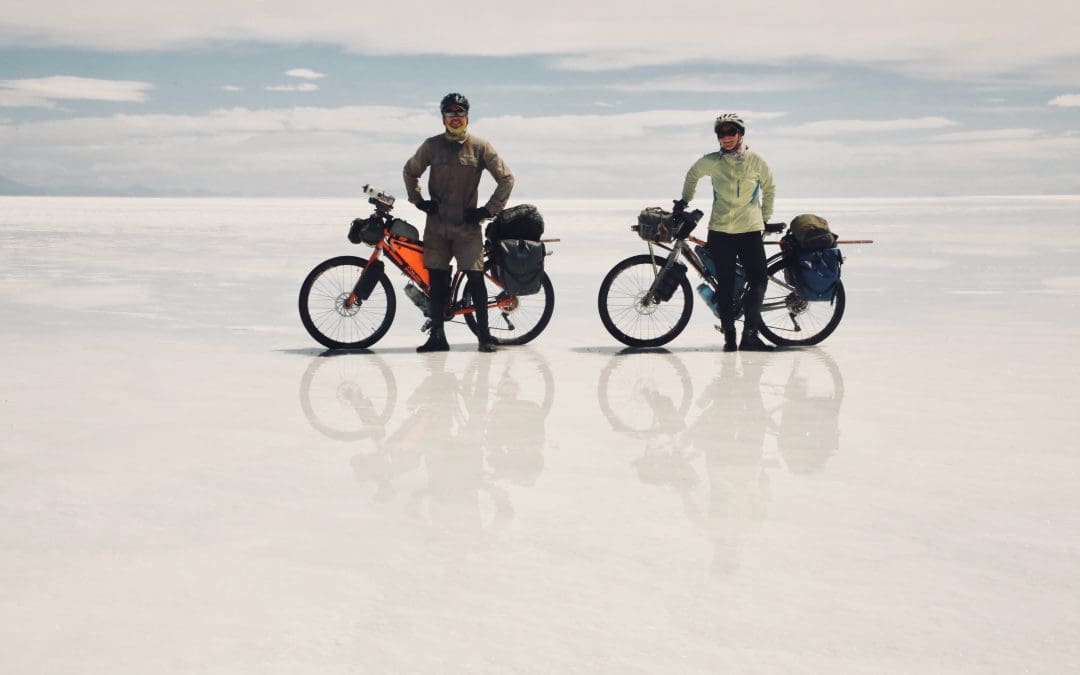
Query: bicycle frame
{"type": "Point", "coordinates": [418, 275]}
{"type": "Point", "coordinates": [681, 247]}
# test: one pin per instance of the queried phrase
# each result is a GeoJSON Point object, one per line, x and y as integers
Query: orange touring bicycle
{"type": "Point", "coordinates": [348, 302]}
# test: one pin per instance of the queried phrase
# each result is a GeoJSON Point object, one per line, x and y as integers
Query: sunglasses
{"type": "Point", "coordinates": [724, 132]}
{"type": "Point", "coordinates": [455, 113]}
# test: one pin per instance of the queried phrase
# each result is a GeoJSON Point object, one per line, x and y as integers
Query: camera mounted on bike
{"type": "Point", "coordinates": [381, 199]}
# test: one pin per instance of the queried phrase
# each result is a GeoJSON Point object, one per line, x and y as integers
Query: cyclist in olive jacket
{"type": "Point", "coordinates": [457, 160]}
{"type": "Point", "coordinates": [743, 193]}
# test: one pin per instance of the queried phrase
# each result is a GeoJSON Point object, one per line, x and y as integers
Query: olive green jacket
{"type": "Point", "coordinates": [743, 190]}
{"type": "Point", "coordinates": [456, 167]}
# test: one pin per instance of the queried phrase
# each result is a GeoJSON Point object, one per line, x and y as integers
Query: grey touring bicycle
{"type": "Point", "coordinates": [646, 300]}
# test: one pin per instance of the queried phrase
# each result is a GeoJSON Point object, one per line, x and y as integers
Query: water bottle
{"type": "Point", "coordinates": [706, 293]}
{"type": "Point", "coordinates": [418, 298]}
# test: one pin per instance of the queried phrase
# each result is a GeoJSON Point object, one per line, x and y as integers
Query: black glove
{"type": "Point", "coordinates": [427, 205]}
{"type": "Point", "coordinates": [678, 206]}
{"type": "Point", "coordinates": [475, 215]}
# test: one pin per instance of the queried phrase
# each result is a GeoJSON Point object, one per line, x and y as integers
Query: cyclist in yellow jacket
{"type": "Point", "coordinates": [457, 160]}
{"type": "Point", "coordinates": [743, 193]}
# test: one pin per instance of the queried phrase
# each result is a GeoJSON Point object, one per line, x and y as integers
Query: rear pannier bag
{"type": "Point", "coordinates": [812, 232]}
{"type": "Point", "coordinates": [519, 265]}
{"type": "Point", "coordinates": [669, 281]}
{"type": "Point", "coordinates": [816, 273]}
{"type": "Point", "coordinates": [517, 222]}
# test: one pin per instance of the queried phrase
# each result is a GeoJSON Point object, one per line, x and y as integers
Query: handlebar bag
{"type": "Point", "coordinates": [366, 230]}
{"type": "Point", "coordinates": [654, 224]}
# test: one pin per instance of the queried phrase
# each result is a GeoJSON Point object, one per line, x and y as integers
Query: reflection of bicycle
{"type": "Point", "coordinates": [801, 393]}
{"type": "Point", "coordinates": [644, 396]}
{"type": "Point", "coordinates": [347, 302]}
{"type": "Point", "coordinates": [348, 399]}
{"type": "Point", "coordinates": [717, 463]}
{"type": "Point", "coordinates": [354, 399]}
{"type": "Point", "coordinates": [468, 434]}
{"type": "Point", "coordinates": [637, 311]}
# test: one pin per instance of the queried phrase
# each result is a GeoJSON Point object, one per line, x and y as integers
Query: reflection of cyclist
{"type": "Point", "coordinates": [809, 428]}
{"type": "Point", "coordinates": [743, 192]}
{"type": "Point", "coordinates": [734, 436]}
{"type": "Point", "coordinates": [515, 435]}
{"type": "Point", "coordinates": [457, 160]}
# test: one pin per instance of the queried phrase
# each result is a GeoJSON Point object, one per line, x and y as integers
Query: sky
{"type": "Point", "coordinates": [583, 100]}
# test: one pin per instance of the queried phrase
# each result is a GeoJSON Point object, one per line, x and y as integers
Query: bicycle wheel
{"type": "Point", "coordinates": [629, 320]}
{"type": "Point", "coordinates": [787, 319]}
{"type": "Point", "coordinates": [525, 318]}
{"type": "Point", "coordinates": [323, 311]}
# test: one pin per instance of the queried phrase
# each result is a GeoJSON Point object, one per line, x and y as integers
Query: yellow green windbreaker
{"type": "Point", "coordinates": [743, 190]}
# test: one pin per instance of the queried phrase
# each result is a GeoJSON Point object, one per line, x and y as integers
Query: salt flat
{"type": "Point", "coordinates": [189, 483]}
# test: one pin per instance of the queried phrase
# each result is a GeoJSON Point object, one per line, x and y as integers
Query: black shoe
{"type": "Point", "coordinates": [752, 343]}
{"type": "Point", "coordinates": [487, 345]}
{"type": "Point", "coordinates": [729, 339]}
{"type": "Point", "coordinates": [436, 342]}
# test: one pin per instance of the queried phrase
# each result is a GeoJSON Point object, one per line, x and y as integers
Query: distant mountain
{"type": "Point", "coordinates": [10, 187]}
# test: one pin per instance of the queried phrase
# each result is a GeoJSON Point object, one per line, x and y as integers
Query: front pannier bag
{"type": "Point", "coordinates": [669, 281]}
{"type": "Point", "coordinates": [519, 265]}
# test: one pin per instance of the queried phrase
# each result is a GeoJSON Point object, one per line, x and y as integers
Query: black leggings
{"type": "Point", "coordinates": [439, 295]}
{"type": "Point", "coordinates": [748, 248]}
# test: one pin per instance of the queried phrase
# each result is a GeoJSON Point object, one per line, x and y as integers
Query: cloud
{"type": "Point", "coordinates": [837, 127]}
{"type": "Point", "coordinates": [731, 83]}
{"type": "Point", "coordinates": [231, 87]}
{"type": "Point", "coordinates": [987, 136]}
{"type": "Point", "coordinates": [326, 151]}
{"type": "Point", "coordinates": [43, 92]}
{"type": "Point", "coordinates": [959, 39]}
{"type": "Point", "coordinates": [1067, 101]}
{"type": "Point", "coordinates": [305, 74]}
{"type": "Point", "coordinates": [306, 86]}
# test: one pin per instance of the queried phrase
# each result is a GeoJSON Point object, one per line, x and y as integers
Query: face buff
{"type": "Point", "coordinates": [457, 128]}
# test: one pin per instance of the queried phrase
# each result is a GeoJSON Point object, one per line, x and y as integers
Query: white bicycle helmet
{"type": "Point", "coordinates": [729, 118]}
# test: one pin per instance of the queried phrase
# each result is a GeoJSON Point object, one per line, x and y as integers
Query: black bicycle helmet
{"type": "Point", "coordinates": [453, 99]}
